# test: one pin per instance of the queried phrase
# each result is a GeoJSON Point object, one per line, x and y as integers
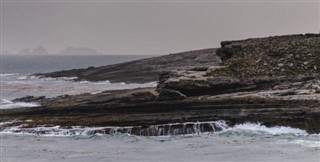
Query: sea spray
{"type": "Point", "coordinates": [8, 104]}
{"type": "Point", "coordinates": [7, 74]}
{"type": "Point", "coordinates": [276, 130]}
{"type": "Point", "coordinates": [170, 129]}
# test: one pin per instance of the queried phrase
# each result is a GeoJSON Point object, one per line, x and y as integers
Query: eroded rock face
{"type": "Point", "coordinates": [253, 64]}
{"type": "Point", "coordinates": [225, 85]}
{"type": "Point", "coordinates": [271, 56]}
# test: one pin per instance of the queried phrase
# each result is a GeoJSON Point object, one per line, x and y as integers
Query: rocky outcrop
{"type": "Point", "coordinates": [251, 65]}
{"type": "Point", "coordinates": [143, 107]}
{"type": "Point", "coordinates": [142, 71]}
{"type": "Point", "coordinates": [288, 55]}
{"type": "Point", "coordinates": [246, 87]}
{"type": "Point", "coordinates": [224, 85]}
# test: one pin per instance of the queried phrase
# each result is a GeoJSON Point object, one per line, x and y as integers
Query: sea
{"type": "Point", "coordinates": [246, 142]}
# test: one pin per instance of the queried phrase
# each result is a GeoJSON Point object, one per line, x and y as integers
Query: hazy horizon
{"type": "Point", "coordinates": [148, 28]}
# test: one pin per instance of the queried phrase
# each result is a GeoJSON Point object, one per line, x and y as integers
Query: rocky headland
{"type": "Point", "coordinates": [144, 70]}
{"type": "Point", "coordinates": [273, 81]}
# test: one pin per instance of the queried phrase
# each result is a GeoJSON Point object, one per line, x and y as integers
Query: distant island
{"type": "Point", "coordinates": [78, 51]}
{"type": "Point", "coordinates": [40, 50]}
{"type": "Point", "coordinates": [36, 51]}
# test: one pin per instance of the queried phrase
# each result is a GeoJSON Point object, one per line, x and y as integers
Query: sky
{"type": "Point", "coordinates": [149, 27]}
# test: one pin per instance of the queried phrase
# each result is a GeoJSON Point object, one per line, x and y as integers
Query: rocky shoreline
{"type": "Point", "coordinates": [144, 70]}
{"type": "Point", "coordinates": [273, 81]}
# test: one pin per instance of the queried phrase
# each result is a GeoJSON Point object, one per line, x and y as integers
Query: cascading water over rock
{"type": "Point", "coordinates": [153, 130]}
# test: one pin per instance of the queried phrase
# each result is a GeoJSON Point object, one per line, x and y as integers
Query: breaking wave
{"type": "Point", "coordinates": [7, 74]}
{"type": "Point", "coordinates": [219, 127]}
{"type": "Point", "coordinates": [153, 130]}
{"type": "Point", "coordinates": [304, 142]}
{"type": "Point", "coordinates": [32, 77]}
{"type": "Point", "coordinates": [18, 85]}
{"type": "Point", "coordinates": [8, 104]}
{"type": "Point", "coordinates": [258, 128]}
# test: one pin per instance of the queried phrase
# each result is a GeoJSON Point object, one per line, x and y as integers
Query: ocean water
{"type": "Point", "coordinates": [16, 80]}
{"type": "Point", "coordinates": [241, 143]}
{"type": "Point", "coordinates": [48, 63]}
{"type": "Point", "coordinates": [248, 142]}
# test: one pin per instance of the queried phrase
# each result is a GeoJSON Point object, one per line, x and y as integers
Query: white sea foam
{"type": "Point", "coordinates": [171, 129]}
{"type": "Point", "coordinates": [307, 143]}
{"type": "Point", "coordinates": [7, 74]}
{"type": "Point", "coordinates": [258, 128]}
{"type": "Point", "coordinates": [5, 101]}
{"type": "Point", "coordinates": [104, 82]}
{"type": "Point", "coordinates": [9, 122]}
{"type": "Point", "coordinates": [28, 77]}
{"type": "Point", "coordinates": [310, 141]}
{"type": "Point", "coordinates": [23, 85]}
{"type": "Point", "coordinates": [35, 78]}
{"type": "Point", "coordinates": [8, 104]}
{"type": "Point", "coordinates": [22, 78]}
{"type": "Point", "coordinates": [188, 128]}
{"type": "Point", "coordinates": [60, 131]}
{"type": "Point", "coordinates": [59, 78]}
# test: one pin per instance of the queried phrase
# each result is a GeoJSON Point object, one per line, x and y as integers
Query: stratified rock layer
{"type": "Point", "coordinates": [142, 71]}
{"type": "Point", "coordinates": [256, 82]}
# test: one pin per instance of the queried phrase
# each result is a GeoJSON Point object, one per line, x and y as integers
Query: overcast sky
{"type": "Point", "coordinates": [148, 27]}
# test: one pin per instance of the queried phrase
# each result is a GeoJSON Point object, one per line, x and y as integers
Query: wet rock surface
{"type": "Point", "coordinates": [222, 91]}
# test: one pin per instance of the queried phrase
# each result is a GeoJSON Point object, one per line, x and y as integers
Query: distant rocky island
{"type": "Point", "coordinates": [78, 51]}
{"type": "Point", "coordinates": [36, 51]}
{"type": "Point", "coordinates": [66, 51]}
{"type": "Point", "coordinates": [273, 81]}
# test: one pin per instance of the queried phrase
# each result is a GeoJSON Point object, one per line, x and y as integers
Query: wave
{"type": "Point", "coordinates": [32, 77]}
{"type": "Point", "coordinates": [258, 128]}
{"type": "Point", "coordinates": [8, 104]}
{"type": "Point", "coordinates": [154, 130]}
{"type": "Point", "coordinates": [304, 142]}
{"type": "Point", "coordinates": [72, 79]}
{"type": "Point", "coordinates": [107, 82]}
{"type": "Point", "coordinates": [7, 74]}
{"type": "Point", "coordinates": [22, 85]}
{"type": "Point", "coordinates": [219, 127]}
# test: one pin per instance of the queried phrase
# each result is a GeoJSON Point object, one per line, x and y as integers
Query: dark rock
{"type": "Point", "coordinates": [224, 85]}
{"type": "Point", "coordinates": [170, 94]}
{"type": "Point", "coordinates": [199, 69]}
{"type": "Point", "coordinates": [30, 99]}
{"type": "Point", "coordinates": [228, 50]}
{"type": "Point", "coordinates": [144, 70]}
